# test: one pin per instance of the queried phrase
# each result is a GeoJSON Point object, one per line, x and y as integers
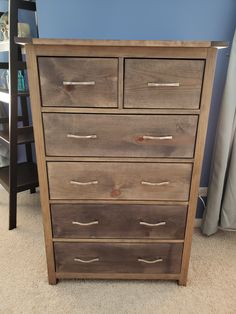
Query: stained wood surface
{"type": "Point", "coordinates": [102, 72]}
{"type": "Point", "coordinates": [200, 143]}
{"type": "Point", "coordinates": [119, 180]}
{"type": "Point", "coordinates": [118, 257]}
{"type": "Point", "coordinates": [117, 276]}
{"type": "Point", "coordinates": [121, 52]}
{"type": "Point", "coordinates": [119, 176]}
{"type": "Point", "coordinates": [141, 72]}
{"type": "Point", "coordinates": [142, 111]}
{"type": "Point", "coordinates": [128, 43]}
{"type": "Point", "coordinates": [41, 162]}
{"type": "Point", "coordinates": [120, 135]}
{"type": "Point", "coordinates": [118, 221]}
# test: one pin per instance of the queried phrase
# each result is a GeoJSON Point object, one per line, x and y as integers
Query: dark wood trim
{"type": "Point", "coordinates": [16, 178]}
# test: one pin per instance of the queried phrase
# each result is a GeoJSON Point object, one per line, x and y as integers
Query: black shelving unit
{"type": "Point", "coordinates": [16, 177]}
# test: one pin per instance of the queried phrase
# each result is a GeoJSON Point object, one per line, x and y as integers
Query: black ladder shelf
{"type": "Point", "coordinates": [16, 177]}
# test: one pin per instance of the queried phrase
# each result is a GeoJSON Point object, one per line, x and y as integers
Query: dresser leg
{"type": "Point", "coordinates": [32, 191]}
{"type": "Point", "coordinates": [182, 282]}
{"type": "Point", "coordinates": [52, 280]}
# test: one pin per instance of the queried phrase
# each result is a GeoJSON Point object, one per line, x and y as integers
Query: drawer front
{"type": "Point", "coordinates": [118, 221]}
{"type": "Point", "coordinates": [118, 257]}
{"type": "Point", "coordinates": [78, 82]}
{"type": "Point", "coordinates": [119, 180]}
{"type": "Point", "coordinates": [159, 83]}
{"type": "Point", "coordinates": [120, 135]}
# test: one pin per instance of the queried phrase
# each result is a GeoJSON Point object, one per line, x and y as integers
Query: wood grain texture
{"type": "Point", "coordinates": [128, 159]}
{"type": "Point", "coordinates": [119, 276]}
{"type": "Point", "coordinates": [135, 202]}
{"type": "Point", "coordinates": [118, 221]}
{"type": "Point", "coordinates": [102, 72]}
{"type": "Point", "coordinates": [153, 111]}
{"type": "Point", "coordinates": [117, 240]}
{"type": "Point", "coordinates": [41, 164]}
{"type": "Point", "coordinates": [200, 143]}
{"type": "Point", "coordinates": [121, 52]}
{"type": "Point", "coordinates": [118, 257]}
{"type": "Point", "coordinates": [141, 72]}
{"type": "Point", "coordinates": [119, 196]}
{"type": "Point", "coordinates": [120, 135]}
{"type": "Point", "coordinates": [128, 43]}
{"type": "Point", "coordinates": [119, 180]}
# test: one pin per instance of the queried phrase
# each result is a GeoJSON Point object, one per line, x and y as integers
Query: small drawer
{"type": "Point", "coordinates": [163, 83]}
{"type": "Point", "coordinates": [119, 135]}
{"type": "Point", "coordinates": [118, 221]}
{"type": "Point", "coordinates": [118, 257]}
{"type": "Point", "coordinates": [119, 180]}
{"type": "Point", "coordinates": [78, 82]}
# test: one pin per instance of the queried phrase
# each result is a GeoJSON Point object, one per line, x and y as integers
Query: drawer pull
{"type": "Point", "coordinates": [85, 223]}
{"type": "Point", "coordinates": [81, 136]}
{"type": "Point", "coordinates": [84, 183]}
{"type": "Point", "coordinates": [153, 84]}
{"type": "Point", "coordinates": [68, 83]}
{"type": "Point", "coordinates": [162, 223]}
{"type": "Point", "coordinates": [147, 137]}
{"type": "Point", "coordinates": [150, 262]}
{"type": "Point", "coordinates": [155, 183]}
{"type": "Point", "coordinates": [86, 261]}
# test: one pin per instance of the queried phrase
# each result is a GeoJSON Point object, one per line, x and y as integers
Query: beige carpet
{"type": "Point", "coordinates": [24, 288]}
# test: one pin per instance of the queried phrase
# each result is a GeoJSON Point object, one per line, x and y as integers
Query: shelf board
{"type": "Point", "coordinates": [4, 46]}
{"type": "Point", "coordinates": [5, 97]}
{"type": "Point", "coordinates": [5, 120]}
{"type": "Point", "coordinates": [5, 65]}
{"type": "Point", "coordinates": [26, 5]}
{"type": "Point", "coordinates": [27, 177]}
{"type": "Point", "coordinates": [24, 135]}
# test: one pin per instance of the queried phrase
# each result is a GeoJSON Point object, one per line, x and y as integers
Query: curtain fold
{"type": "Point", "coordinates": [220, 211]}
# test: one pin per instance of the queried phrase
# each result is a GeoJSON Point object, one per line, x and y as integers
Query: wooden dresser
{"type": "Point", "coordinates": [120, 129]}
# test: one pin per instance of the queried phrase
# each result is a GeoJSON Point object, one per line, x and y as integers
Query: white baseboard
{"type": "Point", "coordinates": [198, 222]}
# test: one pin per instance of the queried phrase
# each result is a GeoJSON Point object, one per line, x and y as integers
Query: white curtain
{"type": "Point", "coordinates": [221, 203]}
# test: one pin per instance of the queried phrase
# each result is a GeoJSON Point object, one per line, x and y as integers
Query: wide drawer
{"type": "Point", "coordinates": [118, 221]}
{"type": "Point", "coordinates": [163, 83]}
{"type": "Point", "coordinates": [119, 180]}
{"type": "Point", "coordinates": [119, 135]}
{"type": "Point", "coordinates": [118, 257]}
{"type": "Point", "coordinates": [78, 82]}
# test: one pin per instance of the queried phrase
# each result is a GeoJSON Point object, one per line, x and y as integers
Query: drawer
{"type": "Point", "coordinates": [118, 257]}
{"type": "Point", "coordinates": [119, 135]}
{"type": "Point", "coordinates": [78, 82]}
{"type": "Point", "coordinates": [119, 180]}
{"type": "Point", "coordinates": [118, 221]}
{"type": "Point", "coordinates": [163, 83]}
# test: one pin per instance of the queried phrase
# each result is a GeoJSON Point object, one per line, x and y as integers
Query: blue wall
{"type": "Point", "coordinates": [150, 19]}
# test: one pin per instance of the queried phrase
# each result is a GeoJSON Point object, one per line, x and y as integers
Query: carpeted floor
{"type": "Point", "coordinates": [24, 288]}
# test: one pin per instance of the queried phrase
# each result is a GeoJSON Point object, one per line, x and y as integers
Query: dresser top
{"type": "Point", "coordinates": [125, 43]}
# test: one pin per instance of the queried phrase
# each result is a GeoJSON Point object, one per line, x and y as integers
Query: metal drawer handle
{"type": "Point", "coordinates": [81, 136]}
{"type": "Point", "coordinates": [147, 137]}
{"type": "Point", "coordinates": [85, 223]}
{"type": "Point", "coordinates": [155, 183]}
{"type": "Point", "coordinates": [150, 262]}
{"type": "Point", "coordinates": [162, 223]}
{"type": "Point", "coordinates": [69, 83]}
{"type": "Point", "coordinates": [153, 84]}
{"type": "Point", "coordinates": [83, 183]}
{"type": "Point", "coordinates": [86, 261]}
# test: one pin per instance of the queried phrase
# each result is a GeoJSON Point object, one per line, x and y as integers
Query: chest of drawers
{"type": "Point", "coordinates": [120, 129]}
